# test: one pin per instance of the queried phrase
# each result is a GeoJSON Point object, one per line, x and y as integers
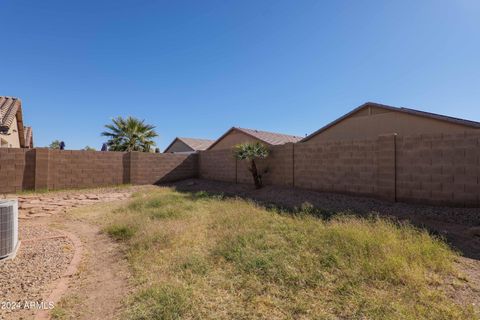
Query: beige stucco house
{"type": "Point", "coordinates": [13, 134]}
{"type": "Point", "coordinates": [372, 119]}
{"type": "Point", "coordinates": [237, 135]}
{"type": "Point", "coordinates": [188, 145]}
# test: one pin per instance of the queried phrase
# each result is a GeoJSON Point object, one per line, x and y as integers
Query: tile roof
{"type": "Point", "coordinates": [28, 132]}
{"type": "Point", "coordinates": [8, 110]}
{"type": "Point", "coordinates": [11, 109]}
{"type": "Point", "coordinates": [194, 143]}
{"type": "Point", "coordinates": [440, 117]}
{"type": "Point", "coordinates": [197, 144]}
{"type": "Point", "coordinates": [271, 138]}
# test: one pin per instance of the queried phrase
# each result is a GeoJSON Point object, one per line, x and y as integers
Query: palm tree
{"type": "Point", "coordinates": [130, 134]}
{"type": "Point", "coordinates": [251, 151]}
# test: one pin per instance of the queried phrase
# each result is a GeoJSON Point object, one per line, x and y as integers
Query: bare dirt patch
{"type": "Point", "coordinates": [99, 289]}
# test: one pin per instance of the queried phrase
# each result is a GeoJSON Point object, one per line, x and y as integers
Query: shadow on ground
{"type": "Point", "coordinates": [458, 226]}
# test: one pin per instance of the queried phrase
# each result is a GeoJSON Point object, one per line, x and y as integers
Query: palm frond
{"type": "Point", "coordinates": [129, 134]}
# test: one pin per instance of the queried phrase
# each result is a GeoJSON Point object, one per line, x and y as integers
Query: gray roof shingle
{"type": "Point", "coordinates": [194, 143]}
{"type": "Point", "coordinates": [270, 138]}
{"type": "Point", "coordinates": [197, 144]}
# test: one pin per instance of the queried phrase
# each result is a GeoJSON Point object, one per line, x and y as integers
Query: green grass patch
{"type": "Point", "coordinates": [196, 256]}
{"type": "Point", "coordinates": [165, 207]}
{"type": "Point", "coordinates": [120, 232]}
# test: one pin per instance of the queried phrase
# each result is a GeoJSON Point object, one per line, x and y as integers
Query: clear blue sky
{"type": "Point", "coordinates": [196, 68]}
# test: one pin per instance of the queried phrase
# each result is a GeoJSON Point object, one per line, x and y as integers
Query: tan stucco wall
{"type": "Point", "coordinates": [178, 146]}
{"type": "Point", "coordinates": [232, 139]}
{"type": "Point", "coordinates": [368, 124]}
{"type": "Point", "coordinates": [11, 138]}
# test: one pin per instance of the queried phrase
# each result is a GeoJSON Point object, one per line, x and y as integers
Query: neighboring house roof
{"type": "Point", "coordinates": [8, 110]}
{"type": "Point", "coordinates": [197, 144]}
{"type": "Point", "coordinates": [11, 108]}
{"type": "Point", "coordinates": [28, 131]}
{"type": "Point", "coordinates": [194, 143]}
{"type": "Point", "coordinates": [468, 123]}
{"type": "Point", "coordinates": [270, 138]}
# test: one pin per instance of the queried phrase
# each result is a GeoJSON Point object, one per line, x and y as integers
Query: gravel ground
{"type": "Point", "coordinates": [459, 226]}
{"type": "Point", "coordinates": [44, 254]}
{"type": "Point", "coordinates": [37, 264]}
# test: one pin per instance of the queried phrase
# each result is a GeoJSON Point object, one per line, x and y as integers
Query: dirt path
{"type": "Point", "coordinates": [99, 289]}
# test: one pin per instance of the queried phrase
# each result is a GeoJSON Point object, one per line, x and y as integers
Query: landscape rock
{"type": "Point", "coordinates": [35, 205]}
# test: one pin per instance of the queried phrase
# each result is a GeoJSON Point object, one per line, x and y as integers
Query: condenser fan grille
{"type": "Point", "coordinates": [8, 227]}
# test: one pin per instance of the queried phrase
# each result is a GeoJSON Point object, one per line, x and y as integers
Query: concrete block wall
{"type": "Point", "coordinates": [16, 170]}
{"type": "Point", "coordinates": [334, 166]}
{"type": "Point", "coordinates": [72, 169]}
{"type": "Point", "coordinates": [437, 169]}
{"type": "Point", "coordinates": [41, 168]}
{"type": "Point", "coordinates": [345, 167]}
{"type": "Point", "coordinates": [386, 167]}
{"type": "Point", "coordinates": [218, 165]}
{"type": "Point", "coordinates": [151, 168]}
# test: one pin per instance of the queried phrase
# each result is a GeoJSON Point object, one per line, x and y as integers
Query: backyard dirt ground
{"type": "Point", "coordinates": [101, 281]}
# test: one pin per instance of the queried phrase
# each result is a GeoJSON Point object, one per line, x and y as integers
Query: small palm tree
{"type": "Point", "coordinates": [130, 134]}
{"type": "Point", "coordinates": [251, 151]}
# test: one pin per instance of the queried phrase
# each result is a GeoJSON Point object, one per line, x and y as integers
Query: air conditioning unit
{"type": "Point", "coordinates": [8, 228]}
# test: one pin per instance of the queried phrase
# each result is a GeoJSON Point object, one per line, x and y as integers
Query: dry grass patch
{"type": "Point", "coordinates": [200, 257]}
